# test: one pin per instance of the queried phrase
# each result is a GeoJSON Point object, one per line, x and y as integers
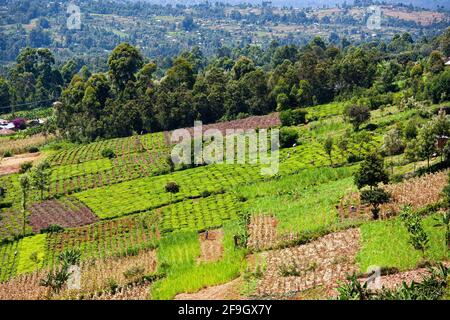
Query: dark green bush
{"type": "Point", "coordinates": [7, 154]}
{"type": "Point", "coordinates": [54, 228]}
{"type": "Point", "coordinates": [24, 167]}
{"type": "Point", "coordinates": [33, 149]}
{"type": "Point", "coordinates": [172, 187]}
{"type": "Point", "coordinates": [288, 137]}
{"type": "Point", "coordinates": [293, 117]}
{"type": "Point", "coordinates": [108, 153]}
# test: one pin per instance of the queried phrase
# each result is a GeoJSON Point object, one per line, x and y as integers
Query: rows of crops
{"type": "Point", "coordinates": [11, 224]}
{"type": "Point", "coordinates": [103, 172]}
{"type": "Point", "coordinates": [200, 214]}
{"type": "Point", "coordinates": [149, 193]}
{"type": "Point", "coordinates": [105, 239]}
{"type": "Point", "coordinates": [8, 260]}
{"type": "Point", "coordinates": [119, 146]}
{"type": "Point", "coordinates": [65, 212]}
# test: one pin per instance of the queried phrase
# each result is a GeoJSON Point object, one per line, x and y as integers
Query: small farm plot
{"type": "Point", "coordinates": [31, 253]}
{"type": "Point", "coordinates": [11, 224]}
{"type": "Point", "coordinates": [66, 212]}
{"type": "Point", "coordinates": [200, 214]}
{"type": "Point", "coordinates": [24, 287]}
{"type": "Point", "coordinates": [250, 123]}
{"type": "Point", "coordinates": [322, 262]}
{"type": "Point", "coordinates": [103, 172]}
{"type": "Point", "coordinates": [306, 211]}
{"type": "Point", "coordinates": [119, 146]}
{"type": "Point", "coordinates": [106, 238]}
{"type": "Point", "coordinates": [8, 260]}
{"type": "Point", "coordinates": [378, 238]}
{"type": "Point", "coordinates": [149, 193]}
{"type": "Point", "coordinates": [99, 275]}
{"type": "Point", "coordinates": [97, 278]}
{"type": "Point", "coordinates": [417, 192]}
{"type": "Point", "coordinates": [18, 146]}
{"type": "Point", "coordinates": [178, 256]}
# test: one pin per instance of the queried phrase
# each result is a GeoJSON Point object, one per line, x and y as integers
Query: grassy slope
{"type": "Point", "coordinates": [386, 244]}
{"type": "Point", "coordinates": [28, 247]}
{"type": "Point", "coordinates": [177, 255]}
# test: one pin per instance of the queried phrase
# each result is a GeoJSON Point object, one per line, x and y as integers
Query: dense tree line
{"type": "Point", "coordinates": [137, 95]}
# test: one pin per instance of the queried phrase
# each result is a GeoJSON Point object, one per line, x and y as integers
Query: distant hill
{"type": "Point", "coordinates": [429, 4]}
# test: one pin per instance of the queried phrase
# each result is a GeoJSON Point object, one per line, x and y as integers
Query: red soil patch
{"type": "Point", "coordinates": [67, 213]}
{"type": "Point", "coordinates": [254, 122]}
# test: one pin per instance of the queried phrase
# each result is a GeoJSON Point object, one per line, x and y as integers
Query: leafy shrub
{"type": "Point", "coordinates": [417, 235]}
{"type": "Point", "coordinates": [288, 137]}
{"type": "Point", "coordinates": [432, 287]}
{"type": "Point", "coordinates": [356, 115]}
{"type": "Point", "coordinates": [288, 270]}
{"type": "Point", "coordinates": [7, 154]}
{"type": "Point", "coordinates": [293, 117]}
{"type": "Point", "coordinates": [108, 153]}
{"type": "Point", "coordinates": [33, 149]}
{"type": "Point", "coordinates": [24, 167]}
{"type": "Point", "coordinates": [352, 158]}
{"type": "Point", "coordinates": [172, 187]}
{"type": "Point", "coordinates": [375, 197]}
{"type": "Point", "coordinates": [205, 193]}
{"type": "Point", "coordinates": [70, 257]}
{"type": "Point", "coordinates": [54, 228]}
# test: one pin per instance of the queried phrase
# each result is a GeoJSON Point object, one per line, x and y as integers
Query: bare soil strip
{"type": "Point", "coordinates": [417, 192]}
{"type": "Point", "coordinates": [211, 248]}
{"type": "Point", "coordinates": [227, 291]}
{"type": "Point", "coordinates": [12, 164]}
{"type": "Point", "coordinates": [262, 232]}
{"type": "Point", "coordinates": [322, 262]}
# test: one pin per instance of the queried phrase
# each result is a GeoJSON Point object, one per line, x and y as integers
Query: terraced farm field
{"type": "Point", "coordinates": [267, 234]}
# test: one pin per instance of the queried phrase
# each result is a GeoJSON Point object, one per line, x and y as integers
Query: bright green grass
{"type": "Point", "coordinates": [386, 244]}
{"type": "Point", "coordinates": [295, 183]}
{"type": "Point", "coordinates": [200, 214]}
{"type": "Point", "coordinates": [177, 255]}
{"type": "Point", "coordinates": [307, 209]}
{"type": "Point", "coordinates": [325, 110]}
{"type": "Point", "coordinates": [27, 247]}
{"type": "Point", "coordinates": [148, 193]}
{"type": "Point", "coordinates": [73, 170]}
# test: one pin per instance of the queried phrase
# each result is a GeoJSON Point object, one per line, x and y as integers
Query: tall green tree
{"type": "Point", "coordinates": [123, 63]}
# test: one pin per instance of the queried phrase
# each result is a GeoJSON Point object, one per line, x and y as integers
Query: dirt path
{"type": "Point", "coordinates": [227, 291]}
{"type": "Point", "coordinates": [211, 248]}
{"type": "Point", "coordinates": [393, 281]}
{"type": "Point", "coordinates": [12, 164]}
